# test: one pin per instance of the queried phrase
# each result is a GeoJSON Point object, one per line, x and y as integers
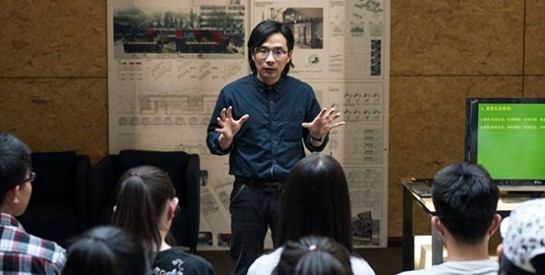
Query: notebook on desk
{"type": "Point", "coordinates": [421, 186]}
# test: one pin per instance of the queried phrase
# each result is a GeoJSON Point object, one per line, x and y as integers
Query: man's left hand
{"type": "Point", "coordinates": [323, 123]}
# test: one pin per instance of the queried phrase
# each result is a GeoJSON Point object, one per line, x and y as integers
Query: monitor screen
{"type": "Point", "coordinates": [507, 137]}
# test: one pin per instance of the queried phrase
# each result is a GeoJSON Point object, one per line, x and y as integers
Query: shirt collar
{"type": "Point", "coordinates": [277, 87]}
{"type": "Point", "coordinates": [8, 220]}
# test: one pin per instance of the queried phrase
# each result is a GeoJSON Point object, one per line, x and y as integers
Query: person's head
{"type": "Point", "coordinates": [465, 200]}
{"type": "Point", "coordinates": [16, 175]}
{"type": "Point", "coordinates": [145, 204]}
{"type": "Point", "coordinates": [314, 255]}
{"type": "Point", "coordinates": [269, 51]}
{"type": "Point", "coordinates": [523, 246]}
{"type": "Point", "coordinates": [315, 201]}
{"type": "Point", "coordinates": [106, 250]}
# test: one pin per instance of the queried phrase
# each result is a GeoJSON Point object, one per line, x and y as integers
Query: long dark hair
{"type": "Point", "coordinates": [261, 32]}
{"type": "Point", "coordinates": [315, 201]}
{"type": "Point", "coordinates": [141, 196]}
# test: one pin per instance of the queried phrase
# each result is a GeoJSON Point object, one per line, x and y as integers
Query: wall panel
{"type": "Point", "coordinates": [53, 76]}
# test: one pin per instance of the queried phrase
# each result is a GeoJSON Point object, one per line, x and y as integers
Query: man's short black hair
{"type": "Point", "coordinates": [15, 162]}
{"type": "Point", "coordinates": [259, 35]}
{"type": "Point", "coordinates": [465, 199]}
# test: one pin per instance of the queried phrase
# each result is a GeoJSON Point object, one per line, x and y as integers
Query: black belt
{"type": "Point", "coordinates": [267, 186]}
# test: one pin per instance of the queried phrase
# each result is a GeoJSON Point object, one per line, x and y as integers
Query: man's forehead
{"type": "Point", "coordinates": [275, 40]}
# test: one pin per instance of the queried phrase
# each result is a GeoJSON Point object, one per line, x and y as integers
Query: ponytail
{"type": "Point", "coordinates": [136, 212]}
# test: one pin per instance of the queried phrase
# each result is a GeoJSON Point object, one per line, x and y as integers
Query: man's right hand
{"type": "Point", "coordinates": [229, 127]}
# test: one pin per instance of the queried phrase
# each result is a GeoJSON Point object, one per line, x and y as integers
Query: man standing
{"type": "Point", "coordinates": [20, 252]}
{"type": "Point", "coordinates": [465, 200]}
{"type": "Point", "coordinates": [262, 121]}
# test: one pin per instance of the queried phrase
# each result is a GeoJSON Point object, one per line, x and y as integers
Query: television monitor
{"type": "Point", "coordinates": [507, 137]}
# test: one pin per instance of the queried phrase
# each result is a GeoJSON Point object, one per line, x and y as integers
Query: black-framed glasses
{"type": "Point", "coordinates": [31, 177]}
{"type": "Point", "coordinates": [263, 52]}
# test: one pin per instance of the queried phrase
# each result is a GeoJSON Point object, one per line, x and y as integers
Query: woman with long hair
{"type": "Point", "coordinates": [146, 203]}
{"type": "Point", "coordinates": [314, 201]}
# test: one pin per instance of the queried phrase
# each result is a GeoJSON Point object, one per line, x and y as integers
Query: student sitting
{"type": "Point", "coordinates": [314, 201]}
{"type": "Point", "coordinates": [145, 206]}
{"type": "Point", "coordinates": [465, 199]}
{"type": "Point", "coordinates": [20, 252]}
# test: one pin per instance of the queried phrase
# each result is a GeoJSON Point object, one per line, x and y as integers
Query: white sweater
{"type": "Point", "coordinates": [265, 264]}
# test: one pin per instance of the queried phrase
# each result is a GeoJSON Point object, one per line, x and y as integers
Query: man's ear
{"type": "Point", "coordinates": [115, 206]}
{"type": "Point", "coordinates": [436, 223]}
{"type": "Point", "coordinates": [495, 224]}
{"type": "Point", "coordinates": [13, 195]}
{"type": "Point", "coordinates": [289, 55]}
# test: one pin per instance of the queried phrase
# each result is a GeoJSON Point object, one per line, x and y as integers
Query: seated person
{"type": "Point", "coordinates": [522, 251]}
{"type": "Point", "coordinates": [314, 255]}
{"type": "Point", "coordinates": [106, 250]}
{"type": "Point", "coordinates": [314, 201]}
{"type": "Point", "coordinates": [145, 206]}
{"type": "Point", "coordinates": [20, 252]}
{"type": "Point", "coordinates": [465, 200]}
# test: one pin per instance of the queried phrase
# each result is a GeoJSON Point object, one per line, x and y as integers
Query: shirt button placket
{"type": "Point", "coordinates": [273, 134]}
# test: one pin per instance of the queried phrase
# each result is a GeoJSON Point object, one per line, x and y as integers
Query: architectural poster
{"type": "Point", "coordinates": [168, 60]}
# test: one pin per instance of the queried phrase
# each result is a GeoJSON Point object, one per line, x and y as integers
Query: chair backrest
{"type": "Point", "coordinates": [177, 165]}
{"type": "Point", "coordinates": [57, 208]}
{"type": "Point", "coordinates": [174, 163]}
{"type": "Point", "coordinates": [184, 171]}
{"type": "Point", "coordinates": [56, 177]}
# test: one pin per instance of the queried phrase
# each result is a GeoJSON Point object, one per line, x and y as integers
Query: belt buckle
{"type": "Point", "coordinates": [272, 186]}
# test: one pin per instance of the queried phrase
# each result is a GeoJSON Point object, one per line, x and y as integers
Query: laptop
{"type": "Point", "coordinates": [421, 186]}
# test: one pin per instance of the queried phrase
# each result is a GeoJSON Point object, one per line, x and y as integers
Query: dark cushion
{"type": "Point", "coordinates": [53, 222]}
{"type": "Point", "coordinates": [55, 177]}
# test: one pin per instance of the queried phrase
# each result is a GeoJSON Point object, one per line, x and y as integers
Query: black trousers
{"type": "Point", "coordinates": [253, 210]}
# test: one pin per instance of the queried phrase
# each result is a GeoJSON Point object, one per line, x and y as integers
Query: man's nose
{"type": "Point", "coordinates": [270, 57]}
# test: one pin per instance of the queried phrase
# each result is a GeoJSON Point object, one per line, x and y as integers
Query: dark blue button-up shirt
{"type": "Point", "coordinates": [271, 141]}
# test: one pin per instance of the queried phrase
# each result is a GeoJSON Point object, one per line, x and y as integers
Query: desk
{"type": "Point", "coordinates": [505, 205]}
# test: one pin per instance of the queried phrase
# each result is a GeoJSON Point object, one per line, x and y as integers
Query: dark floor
{"type": "Point", "coordinates": [385, 261]}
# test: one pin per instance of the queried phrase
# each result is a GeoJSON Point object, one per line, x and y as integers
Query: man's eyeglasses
{"type": "Point", "coordinates": [31, 177]}
{"type": "Point", "coordinates": [263, 52]}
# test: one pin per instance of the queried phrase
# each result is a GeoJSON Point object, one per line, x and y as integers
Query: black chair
{"type": "Point", "coordinates": [57, 209]}
{"type": "Point", "coordinates": [184, 171]}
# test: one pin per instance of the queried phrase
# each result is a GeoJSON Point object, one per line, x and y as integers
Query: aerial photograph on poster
{"type": "Point", "coordinates": [179, 29]}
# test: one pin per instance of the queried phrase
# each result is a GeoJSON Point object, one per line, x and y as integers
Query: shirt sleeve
{"type": "Point", "coordinates": [199, 266]}
{"type": "Point", "coordinates": [266, 263]}
{"type": "Point", "coordinates": [313, 110]}
{"type": "Point", "coordinates": [212, 136]}
{"type": "Point", "coordinates": [360, 266]}
{"type": "Point", "coordinates": [61, 260]}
